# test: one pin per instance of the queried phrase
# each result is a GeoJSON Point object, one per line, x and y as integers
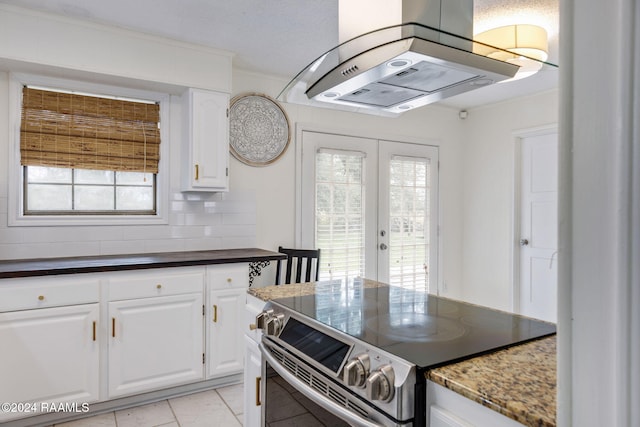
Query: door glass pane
{"type": "Point", "coordinates": [409, 194]}
{"type": "Point", "coordinates": [340, 214]}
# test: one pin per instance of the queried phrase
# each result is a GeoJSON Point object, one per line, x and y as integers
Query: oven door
{"type": "Point", "coordinates": [305, 397]}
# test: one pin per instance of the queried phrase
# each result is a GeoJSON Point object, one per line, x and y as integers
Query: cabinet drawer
{"type": "Point", "coordinates": [153, 283]}
{"type": "Point", "coordinates": [228, 276]}
{"type": "Point", "coordinates": [43, 292]}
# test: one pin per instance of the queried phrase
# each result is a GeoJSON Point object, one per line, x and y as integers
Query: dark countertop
{"type": "Point", "coordinates": [101, 263]}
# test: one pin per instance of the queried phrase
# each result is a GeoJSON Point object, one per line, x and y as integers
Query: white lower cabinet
{"type": "Point", "coordinates": [252, 379]}
{"type": "Point", "coordinates": [48, 355]}
{"type": "Point", "coordinates": [227, 289]}
{"type": "Point", "coordinates": [252, 364]}
{"type": "Point", "coordinates": [450, 409]}
{"type": "Point", "coordinates": [98, 336]}
{"type": "Point", "coordinates": [154, 343]}
{"type": "Point", "coordinates": [155, 329]}
{"type": "Point", "coordinates": [50, 343]}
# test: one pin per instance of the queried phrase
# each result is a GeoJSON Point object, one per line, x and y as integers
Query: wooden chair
{"type": "Point", "coordinates": [297, 256]}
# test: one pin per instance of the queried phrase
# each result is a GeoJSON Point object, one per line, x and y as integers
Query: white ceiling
{"type": "Point", "coordinates": [280, 37]}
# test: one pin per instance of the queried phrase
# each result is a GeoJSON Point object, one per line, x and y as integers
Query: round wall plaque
{"type": "Point", "coordinates": [258, 129]}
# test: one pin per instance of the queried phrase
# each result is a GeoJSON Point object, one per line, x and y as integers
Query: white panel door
{"type": "Point", "coordinates": [539, 227]}
{"type": "Point", "coordinates": [226, 343]}
{"type": "Point", "coordinates": [252, 378]}
{"type": "Point", "coordinates": [155, 343]}
{"type": "Point", "coordinates": [49, 355]}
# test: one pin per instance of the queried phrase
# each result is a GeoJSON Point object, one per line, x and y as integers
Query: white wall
{"type": "Point", "coordinates": [488, 184]}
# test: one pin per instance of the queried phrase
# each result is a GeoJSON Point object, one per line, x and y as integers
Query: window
{"type": "Point", "coordinates": [49, 191]}
{"type": "Point", "coordinates": [84, 154]}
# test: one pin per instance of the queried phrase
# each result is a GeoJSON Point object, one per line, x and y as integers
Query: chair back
{"type": "Point", "coordinates": [305, 260]}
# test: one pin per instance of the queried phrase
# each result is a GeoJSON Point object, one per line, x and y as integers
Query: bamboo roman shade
{"type": "Point", "coordinates": [87, 132]}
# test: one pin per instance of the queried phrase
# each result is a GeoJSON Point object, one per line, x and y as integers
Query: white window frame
{"type": "Point", "coordinates": [16, 216]}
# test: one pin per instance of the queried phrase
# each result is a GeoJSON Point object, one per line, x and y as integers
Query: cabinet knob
{"type": "Point", "coordinates": [159, 286]}
{"type": "Point", "coordinates": [41, 297]}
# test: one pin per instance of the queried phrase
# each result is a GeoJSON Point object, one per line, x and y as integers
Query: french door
{"type": "Point", "coordinates": [371, 207]}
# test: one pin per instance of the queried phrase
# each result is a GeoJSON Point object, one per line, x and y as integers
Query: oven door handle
{"type": "Point", "coordinates": [316, 397]}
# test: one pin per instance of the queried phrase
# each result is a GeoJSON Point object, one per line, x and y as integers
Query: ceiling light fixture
{"type": "Point", "coordinates": [523, 44]}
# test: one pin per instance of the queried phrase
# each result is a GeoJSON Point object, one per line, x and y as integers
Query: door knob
{"type": "Point", "coordinates": [383, 246]}
{"type": "Point", "coordinates": [524, 242]}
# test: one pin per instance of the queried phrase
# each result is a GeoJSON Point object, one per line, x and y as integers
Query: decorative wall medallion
{"type": "Point", "coordinates": [258, 129]}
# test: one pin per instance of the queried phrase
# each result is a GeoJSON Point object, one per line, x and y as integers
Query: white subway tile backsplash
{"type": "Point", "coordinates": [197, 221]}
{"type": "Point", "coordinates": [208, 243]}
{"type": "Point", "coordinates": [238, 242]}
{"type": "Point", "coordinates": [164, 245]}
{"type": "Point", "coordinates": [239, 218]}
{"type": "Point", "coordinates": [122, 247]}
{"type": "Point", "coordinates": [48, 250]}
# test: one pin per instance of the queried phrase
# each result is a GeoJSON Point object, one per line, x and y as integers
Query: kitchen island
{"type": "Point", "coordinates": [518, 382]}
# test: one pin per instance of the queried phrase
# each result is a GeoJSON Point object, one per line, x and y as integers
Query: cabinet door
{"type": "Point", "coordinates": [226, 346]}
{"type": "Point", "coordinates": [49, 355]}
{"type": "Point", "coordinates": [252, 378]}
{"type": "Point", "coordinates": [207, 139]}
{"type": "Point", "coordinates": [155, 343]}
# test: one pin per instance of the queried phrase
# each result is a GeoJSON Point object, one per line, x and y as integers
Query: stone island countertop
{"type": "Point", "coordinates": [101, 263]}
{"type": "Point", "coordinates": [519, 382]}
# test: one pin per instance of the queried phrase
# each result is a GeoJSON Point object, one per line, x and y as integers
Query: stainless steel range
{"type": "Point", "coordinates": [356, 354]}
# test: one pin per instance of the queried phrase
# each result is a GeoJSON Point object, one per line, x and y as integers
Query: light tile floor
{"type": "Point", "coordinates": [212, 408]}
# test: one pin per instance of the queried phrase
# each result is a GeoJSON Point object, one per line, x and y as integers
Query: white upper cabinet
{"type": "Point", "coordinates": [205, 154]}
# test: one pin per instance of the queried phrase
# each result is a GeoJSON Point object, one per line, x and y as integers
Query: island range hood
{"type": "Point", "coordinates": [397, 55]}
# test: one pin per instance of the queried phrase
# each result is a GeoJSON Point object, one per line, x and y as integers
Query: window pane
{"type": "Point", "coordinates": [93, 198]}
{"type": "Point", "coordinates": [49, 197]}
{"type": "Point", "coordinates": [340, 214]}
{"type": "Point", "coordinates": [84, 176]}
{"type": "Point", "coordinates": [134, 178]}
{"type": "Point", "coordinates": [409, 202]}
{"type": "Point", "coordinates": [134, 198]}
{"type": "Point", "coordinates": [42, 174]}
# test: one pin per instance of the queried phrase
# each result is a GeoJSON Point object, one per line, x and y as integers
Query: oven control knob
{"type": "Point", "coordinates": [262, 317]}
{"type": "Point", "coordinates": [274, 324]}
{"type": "Point", "coordinates": [356, 371]}
{"type": "Point", "coordinates": [380, 384]}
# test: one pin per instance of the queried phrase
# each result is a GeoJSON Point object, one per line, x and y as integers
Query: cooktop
{"type": "Point", "coordinates": [420, 328]}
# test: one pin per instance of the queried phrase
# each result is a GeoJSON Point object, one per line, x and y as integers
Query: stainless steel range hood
{"type": "Point", "coordinates": [397, 55]}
